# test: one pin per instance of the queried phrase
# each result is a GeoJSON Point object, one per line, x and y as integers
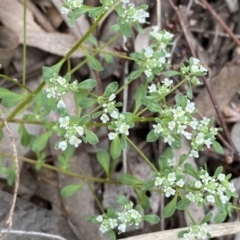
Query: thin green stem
{"type": "Point", "coordinates": [24, 43]}
{"type": "Point", "coordinates": [141, 154]}
{"type": "Point", "coordinates": [66, 172]}
{"type": "Point", "coordinates": [15, 82]}
{"type": "Point", "coordinates": [234, 207]}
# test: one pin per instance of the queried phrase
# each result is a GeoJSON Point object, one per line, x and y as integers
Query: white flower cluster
{"type": "Point", "coordinates": [57, 87]}
{"type": "Point", "coordinates": [197, 232]}
{"type": "Point", "coordinates": [153, 58]}
{"type": "Point", "coordinates": [71, 5]}
{"type": "Point", "coordinates": [162, 89]}
{"type": "Point", "coordinates": [211, 188]}
{"type": "Point", "coordinates": [131, 14]}
{"type": "Point", "coordinates": [169, 181]}
{"type": "Point", "coordinates": [118, 123]}
{"type": "Point", "coordinates": [71, 133]}
{"type": "Point", "coordinates": [193, 70]}
{"type": "Point", "coordinates": [176, 120]}
{"type": "Point", "coordinates": [125, 218]}
{"type": "Point", "coordinates": [107, 4]}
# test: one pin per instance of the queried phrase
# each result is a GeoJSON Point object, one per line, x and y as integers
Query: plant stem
{"type": "Point", "coordinates": [66, 172]}
{"type": "Point", "coordinates": [141, 154]}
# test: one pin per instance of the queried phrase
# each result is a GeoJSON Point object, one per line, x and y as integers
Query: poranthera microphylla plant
{"type": "Point", "coordinates": [172, 123]}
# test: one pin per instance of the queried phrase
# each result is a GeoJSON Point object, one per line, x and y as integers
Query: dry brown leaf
{"type": "Point", "coordinates": [11, 15]}
{"type": "Point", "coordinates": [223, 87]}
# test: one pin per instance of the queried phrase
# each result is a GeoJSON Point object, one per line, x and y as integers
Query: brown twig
{"type": "Point", "coordinates": [213, 100]}
{"type": "Point", "coordinates": [10, 216]}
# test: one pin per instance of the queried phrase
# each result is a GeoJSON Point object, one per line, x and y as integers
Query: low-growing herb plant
{"type": "Point", "coordinates": [171, 123]}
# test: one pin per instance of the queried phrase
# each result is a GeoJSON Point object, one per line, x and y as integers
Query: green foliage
{"type": "Point", "coordinates": [104, 160]}
{"type": "Point", "coordinates": [183, 204]}
{"type": "Point", "coordinates": [9, 98]}
{"type": "Point", "coordinates": [39, 143]}
{"type": "Point", "coordinates": [70, 190]}
{"type": "Point", "coordinates": [170, 208]}
{"type": "Point", "coordinates": [94, 63]}
{"type": "Point", "coordinates": [130, 180]}
{"type": "Point", "coordinates": [151, 218]}
{"type": "Point", "coordinates": [115, 148]}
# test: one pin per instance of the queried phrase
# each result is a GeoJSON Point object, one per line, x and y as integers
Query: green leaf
{"type": "Point", "coordinates": [143, 199]}
{"type": "Point", "coordinates": [148, 185]}
{"type": "Point", "coordinates": [207, 218]}
{"type": "Point", "coordinates": [123, 142]}
{"type": "Point", "coordinates": [92, 40]}
{"type": "Point", "coordinates": [219, 203]}
{"type": "Point", "coordinates": [39, 143]}
{"type": "Point", "coordinates": [108, 57]}
{"type": "Point", "coordinates": [189, 93]}
{"type": "Point", "coordinates": [217, 147]}
{"type": "Point", "coordinates": [9, 98]}
{"type": "Point", "coordinates": [172, 73]}
{"type": "Point", "coordinates": [182, 159]}
{"type": "Point", "coordinates": [97, 114]}
{"type": "Point", "coordinates": [112, 235]}
{"type": "Point", "coordinates": [84, 120]}
{"type": "Point", "coordinates": [180, 234]}
{"type": "Point", "coordinates": [218, 171]}
{"type": "Point", "coordinates": [94, 63]}
{"type": "Point", "coordinates": [191, 170]}
{"type": "Point", "coordinates": [91, 137]}
{"type": "Point", "coordinates": [163, 159]}
{"type": "Point", "coordinates": [111, 212]}
{"type": "Point", "coordinates": [115, 148]}
{"type": "Point", "coordinates": [88, 84]}
{"type": "Point", "coordinates": [130, 180]}
{"type": "Point", "coordinates": [87, 102]}
{"type": "Point", "coordinates": [178, 141]}
{"type": "Point", "coordinates": [70, 190]}
{"type": "Point", "coordinates": [151, 218]}
{"type": "Point", "coordinates": [95, 12]}
{"type": "Point", "coordinates": [183, 204]}
{"type": "Point", "coordinates": [104, 160]}
{"type": "Point", "coordinates": [111, 88]}
{"type": "Point", "coordinates": [125, 29]}
{"type": "Point", "coordinates": [135, 74]}
{"type": "Point", "coordinates": [25, 136]}
{"type": "Point", "coordinates": [170, 208]}
{"type": "Point", "coordinates": [152, 136]}
{"type": "Point", "coordinates": [141, 92]}
{"type": "Point", "coordinates": [220, 217]}
{"type": "Point", "coordinates": [122, 200]}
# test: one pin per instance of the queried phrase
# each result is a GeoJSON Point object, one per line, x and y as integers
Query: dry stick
{"type": "Point", "coordinates": [159, 13]}
{"type": "Point", "coordinates": [213, 100]}
{"type": "Point", "coordinates": [10, 216]}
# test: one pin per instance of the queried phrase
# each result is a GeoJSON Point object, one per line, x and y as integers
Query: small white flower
{"type": "Point", "coordinates": [103, 228]}
{"type": "Point", "coordinates": [202, 69]}
{"type": "Point", "coordinates": [99, 218]}
{"type": "Point", "coordinates": [205, 177]}
{"type": "Point", "coordinates": [208, 142]}
{"type": "Point", "coordinates": [122, 228]}
{"type": "Point", "coordinates": [73, 140]}
{"type": "Point", "coordinates": [194, 123]}
{"type": "Point", "coordinates": [148, 72]}
{"type": "Point", "coordinates": [187, 135]}
{"type": "Point", "coordinates": [64, 10]}
{"type": "Point", "coordinates": [148, 52]}
{"type": "Point", "coordinates": [190, 107]}
{"type": "Point", "coordinates": [194, 60]}
{"type": "Point", "coordinates": [210, 199]}
{"type": "Point", "coordinates": [200, 138]}
{"type": "Point", "coordinates": [198, 184]}
{"type": "Point", "coordinates": [158, 181]}
{"type": "Point", "coordinates": [112, 222]}
{"type": "Point", "coordinates": [205, 121]}
{"type": "Point", "coordinates": [51, 92]}
{"type": "Point", "coordinates": [62, 145]}
{"type": "Point", "coordinates": [171, 177]}
{"type": "Point", "coordinates": [169, 191]}
{"type": "Point", "coordinates": [171, 162]}
{"type": "Point", "coordinates": [180, 183]}
{"type": "Point", "coordinates": [61, 104]}
{"type": "Point", "coordinates": [152, 88]}
{"type": "Point", "coordinates": [64, 122]}
{"type": "Point", "coordinates": [124, 129]}
{"type": "Point", "coordinates": [155, 28]}
{"type": "Point", "coordinates": [134, 214]}
{"type": "Point", "coordinates": [167, 82]}
{"type": "Point", "coordinates": [112, 96]}
{"type": "Point", "coordinates": [77, 3]}
{"type": "Point", "coordinates": [79, 130]}
{"type": "Point", "coordinates": [231, 187]}
{"type": "Point", "coordinates": [180, 128]}
{"type": "Point", "coordinates": [61, 80]}
{"type": "Point", "coordinates": [221, 177]}
{"type": "Point", "coordinates": [194, 154]}
{"type": "Point", "coordinates": [190, 196]}
{"type": "Point", "coordinates": [104, 118]}
{"type": "Point", "coordinates": [115, 114]}
{"type": "Point", "coordinates": [224, 198]}
{"type": "Point", "coordinates": [178, 112]}
{"type": "Point", "coordinates": [171, 125]}
{"type": "Point", "coordinates": [169, 140]}
{"type": "Point", "coordinates": [112, 135]}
